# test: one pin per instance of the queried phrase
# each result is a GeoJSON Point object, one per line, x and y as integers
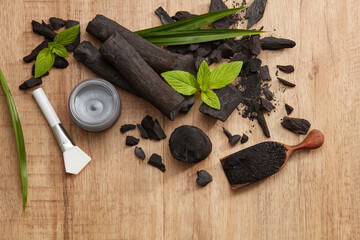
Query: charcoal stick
{"type": "Point", "coordinates": [117, 51]}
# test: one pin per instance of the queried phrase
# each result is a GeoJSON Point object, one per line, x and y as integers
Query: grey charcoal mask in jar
{"type": "Point", "coordinates": [94, 104]}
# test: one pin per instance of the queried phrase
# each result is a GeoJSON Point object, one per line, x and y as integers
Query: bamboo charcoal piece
{"type": "Point", "coordinates": [32, 82]}
{"type": "Point", "coordinates": [286, 83]}
{"type": "Point", "coordinates": [224, 23]}
{"type": "Point", "coordinates": [233, 139]}
{"type": "Point", "coordinates": [143, 132]}
{"type": "Point", "coordinates": [159, 59]}
{"type": "Point", "coordinates": [255, 12]}
{"type": "Point", "coordinates": [117, 51]}
{"type": "Point", "coordinates": [271, 43]}
{"type": "Point", "coordinates": [91, 57]}
{"type": "Point", "coordinates": [164, 16]}
{"type": "Point", "coordinates": [296, 125]}
{"type": "Point", "coordinates": [139, 152]}
{"type": "Point", "coordinates": [32, 56]}
{"type": "Point", "coordinates": [244, 138]}
{"type": "Point", "coordinates": [189, 144]}
{"type": "Point", "coordinates": [43, 30]}
{"type": "Point", "coordinates": [264, 159]}
{"type": "Point", "coordinates": [288, 109]}
{"type": "Point", "coordinates": [56, 23]}
{"type": "Point", "coordinates": [264, 73]}
{"type": "Point", "coordinates": [203, 178]}
{"type": "Point", "coordinates": [127, 127]}
{"type": "Point", "coordinates": [266, 105]}
{"type": "Point", "coordinates": [132, 141]}
{"type": "Point", "coordinates": [286, 68]}
{"type": "Point", "coordinates": [153, 128]}
{"type": "Point", "coordinates": [229, 98]}
{"type": "Point", "coordinates": [253, 65]}
{"type": "Point", "coordinates": [187, 104]}
{"type": "Point", "coordinates": [180, 15]}
{"type": "Point", "coordinates": [156, 161]}
{"type": "Point", "coordinates": [61, 62]}
{"type": "Point", "coordinates": [262, 122]}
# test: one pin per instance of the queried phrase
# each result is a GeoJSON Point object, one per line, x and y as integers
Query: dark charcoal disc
{"type": "Point", "coordinates": [189, 144]}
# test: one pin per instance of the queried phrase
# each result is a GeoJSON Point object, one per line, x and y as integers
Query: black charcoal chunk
{"type": "Point", "coordinates": [139, 152]}
{"type": "Point", "coordinates": [192, 47]}
{"type": "Point", "coordinates": [181, 49]}
{"type": "Point", "coordinates": [164, 16]}
{"type": "Point", "coordinates": [33, 71]}
{"type": "Point", "coordinates": [132, 141]}
{"type": "Point", "coordinates": [253, 65]}
{"type": "Point", "coordinates": [225, 22]}
{"type": "Point", "coordinates": [189, 144]}
{"type": "Point", "coordinates": [127, 127]}
{"type": "Point", "coordinates": [187, 104]}
{"type": "Point", "coordinates": [44, 30]}
{"type": "Point", "coordinates": [255, 12]}
{"type": "Point", "coordinates": [266, 105]}
{"type": "Point", "coordinates": [262, 122]}
{"type": "Point", "coordinates": [243, 55]}
{"type": "Point", "coordinates": [32, 56]}
{"type": "Point", "coordinates": [61, 62]}
{"type": "Point", "coordinates": [244, 138]}
{"type": "Point", "coordinates": [182, 15]}
{"type": "Point", "coordinates": [203, 178]}
{"type": "Point", "coordinates": [32, 82]}
{"type": "Point", "coordinates": [267, 93]}
{"type": "Point", "coordinates": [215, 56]}
{"type": "Point", "coordinates": [233, 139]}
{"type": "Point", "coordinates": [271, 43]}
{"type": "Point", "coordinates": [296, 125]}
{"type": "Point", "coordinates": [153, 128]}
{"type": "Point", "coordinates": [288, 109]}
{"type": "Point", "coordinates": [286, 68]}
{"type": "Point", "coordinates": [227, 133]}
{"type": "Point", "coordinates": [286, 83]}
{"type": "Point", "coordinates": [202, 52]}
{"type": "Point", "coordinates": [156, 161]}
{"type": "Point", "coordinates": [264, 73]}
{"type": "Point", "coordinates": [56, 23]}
{"type": "Point", "coordinates": [229, 97]}
{"type": "Point", "coordinates": [69, 24]}
{"type": "Point", "coordinates": [226, 50]}
{"type": "Point", "coordinates": [143, 132]}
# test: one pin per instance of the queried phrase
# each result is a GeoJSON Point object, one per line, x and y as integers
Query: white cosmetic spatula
{"type": "Point", "coordinates": [74, 158]}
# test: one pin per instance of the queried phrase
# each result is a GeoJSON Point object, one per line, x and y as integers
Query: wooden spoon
{"type": "Point", "coordinates": [262, 160]}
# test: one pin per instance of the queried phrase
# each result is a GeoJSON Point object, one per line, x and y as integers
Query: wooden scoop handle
{"type": "Point", "coordinates": [313, 140]}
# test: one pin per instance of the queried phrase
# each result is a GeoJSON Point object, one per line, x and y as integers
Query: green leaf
{"type": "Point", "coordinates": [224, 74]}
{"type": "Point", "coordinates": [183, 82]}
{"type": "Point", "coordinates": [203, 75]}
{"type": "Point", "coordinates": [60, 50]}
{"type": "Point", "coordinates": [210, 99]}
{"type": "Point", "coordinates": [67, 36]}
{"type": "Point", "coordinates": [192, 22]}
{"type": "Point", "coordinates": [169, 38]}
{"type": "Point", "coordinates": [44, 61]}
{"type": "Point", "coordinates": [51, 45]}
{"type": "Point", "coordinates": [19, 139]}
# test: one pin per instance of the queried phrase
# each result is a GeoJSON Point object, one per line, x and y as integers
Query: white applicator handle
{"type": "Point", "coordinates": [46, 107]}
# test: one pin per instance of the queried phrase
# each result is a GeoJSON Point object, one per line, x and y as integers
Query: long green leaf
{"type": "Point", "coordinates": [19, 139]}
{"type": "Point", "coordinates": [195, 36]}
{"type": "Point", "coordinates": [192, 23]}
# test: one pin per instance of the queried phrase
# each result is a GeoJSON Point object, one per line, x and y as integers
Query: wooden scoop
{"type": "Point", "coordinates": [262, 160]}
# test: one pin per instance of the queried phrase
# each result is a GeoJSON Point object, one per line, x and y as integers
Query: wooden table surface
{"type": "Point", "coordinates": [316, 196]}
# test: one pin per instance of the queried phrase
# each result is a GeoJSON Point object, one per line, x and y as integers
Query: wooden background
{"type": "Point", "coordinates": [316, 196]}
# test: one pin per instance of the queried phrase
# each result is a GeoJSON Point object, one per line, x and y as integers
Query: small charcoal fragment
{"type": "Point", "coordinates": [181, 49]}
{"type": "Point", "coordinates": [271, 43]}
{"type": "Point", "coordinates": [244, 138]}
{"type": "Point", "coordinates": [189, 144]}
{"type": "Point", "coordinates": [32, 56]}
{"type": "Point", "coordinates": [286, 68]}
{"type": "Point", "coordinates": [182, 15]}
{"type": "Point", "coordinates": [143, 132]}
{"type": "Point", "coordinates": [266, 105]}
{"type": "Point", "coordinates": [61, 62]}
{"type": "Point", "coordinates": [268, 94]}
{"type": "Point", "coordinates": [264, 73]}
{"type": "Point", "coordinates": [234, 139]}
{"type": "Point", "coordinates": [69, 24]}
{"type": "Point", "coordinates": [285, 82]}
{"type": "Point", "coordinates": [153, 128]}
{"type": "Point", "coordinates": [296, 125]}
{"type": "Point", "coordinates": [139, 152]}
{"type": "Point", "coordinates": [33, 71]}
{"type": "Point", "coordinates": [215, 56]}
{"type": "Point", "coordinates": [127, 127]}
{"type": "Point", "coordinates": [225, 22]}
{"type": "Point", "coordinates": [227, 133]}
{"type": "Point", "coordinates": [43, 30]}
{"type": "Point", "coordinates": [32, 82]}
{"type": "Point", "coordinates": [198, 62]}
{"type": "Point", "coordinates": [288, 109]}
{"type": "Point", "coordinates": [262, 122]}
{"type": "Point", "coordinates": [187, 104]}
{"type": "Point", "coordinates": [164, 16]}
{"type": "Point", "coordinates": [255, 12]}
{"type": "Point", "coordinates": [226, 50]}
{"type": "Point", "coordinates": [156, 161]}
{"type": "Point", "coordinates": [56, 23]}
{"type": "Point", "coordinates": [203, 178]}
{"type": "Point", "coordinates": [277, 73]}
{"type": "Point", "coordinates": [244, 55]}
{"type": "Point", "coordinates": [192, 47]}
{"type": "Point", "coordinates": [202, 52]}
{"type": "Point", "coordinates": [253, 65]}
{"type": "Point", "coordinates": [132, 141]}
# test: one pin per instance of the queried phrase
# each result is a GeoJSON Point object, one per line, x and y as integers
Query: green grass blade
{"type": "Point", "coordinates": [19, 139]}
{"type": "Point", "coordinates": [195, 36]}
{"type": "Point", "coordinates": [192, 23]}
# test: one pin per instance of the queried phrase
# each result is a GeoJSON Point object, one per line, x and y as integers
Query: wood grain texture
{"type": "Point", "coordinates": [316, 196]}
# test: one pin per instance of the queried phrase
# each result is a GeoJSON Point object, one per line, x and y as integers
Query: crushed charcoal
{"type": "Point", "coordinates": [164, 16]}
{"type": "Point", "coordinates": [253, 65]}
{"type": "Point", "coordinates": [56, 23]}
{"type": "Point", "coordinates": [244, 138]}
{"type": "Point", "coordinates": [226, 22]}
{"type": "Point", "coordinates": [143, 132]}
{"type": "Point", "coordinates": [153, 128]}
{"type": "Point", "coordinates": [132, 141]}
{"type": "Point", "coordinates": [43, 29]}
{"type": "Point", "coordinates": [182, 15]}
{"type": "Point", "coordinates": [192, 47]}
{"type": "Point", "coordinates": [264, 73]}
{"type": "Point", "coordinates": [296, 125]}
{"type": "Point", "coordinates": [203, 178]}
{"type": "Point", "coordinates": [181, 49]}
{"type": "Point", "coordinates": [187, 104]}
{"type": "Point", "coordinates": [127, 127]}
{"type": "Point", "coordinates": [215, 56]}
{"type": "Point", "coordinates": [255, 12]}
{"type": "Point", "coordinates": [288, 109]}
{"type": "Point", "coordinates": [61, 62]}
{"type": "Point", "coordinates": [266, 105]}
{"type": "Point", "coordinates": [139, 152]}
{"type": "Point", "coordinates": [156, 161]}
{"type": "Point", "coordinates": [286, 68]}
{"type": "Point", "coordinates": [285, 82]}
{"type": "Point", "coordinates": [267, 93]}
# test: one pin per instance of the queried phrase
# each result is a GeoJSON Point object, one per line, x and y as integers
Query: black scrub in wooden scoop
{"type": "Point", "coordinates": [264, 159]}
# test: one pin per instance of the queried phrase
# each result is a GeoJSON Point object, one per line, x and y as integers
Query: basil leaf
{"type": "Point", "coordinates": [183, 82]}
{"type": "Point", "coordinates": [68, 36]}
{"type": "Point", "coordinates": [44, 61]}
{"type": "Point", "coordinates": [51, 45]}
{"type": "Point", "coordinates": [203, 75]}
{"type": "Point", "coordinates": [210, 99]}
{"type": "Point", "coordinates": [60, 50]}
{"type": "Point", "coordinates": [224, 74]}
